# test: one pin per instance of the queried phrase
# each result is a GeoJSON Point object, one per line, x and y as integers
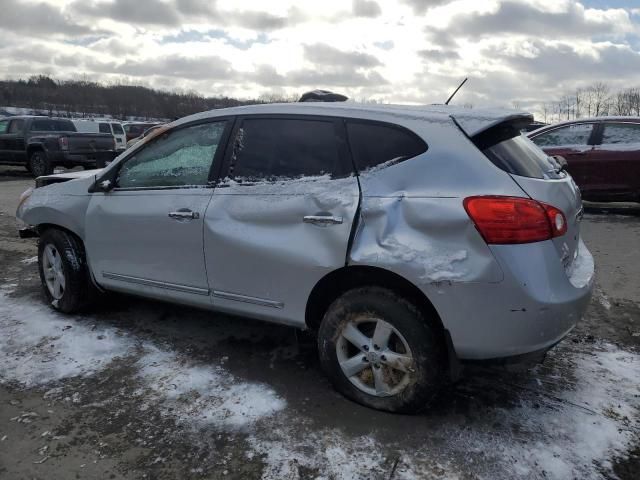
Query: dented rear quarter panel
{"type": "Point", "coordinates": [413, 223]}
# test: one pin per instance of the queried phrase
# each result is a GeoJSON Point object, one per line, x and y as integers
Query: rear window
{"type": "Point", "coordinates": [117, 128]}
{"type": "Point", "coordinates": [104, 128]}
{"type": "Point", "coordinates": [374, 144]}
{"type": "Point", "coordinates": [514, 153]}
{"type": "Point", "coordinates": [50, 125]}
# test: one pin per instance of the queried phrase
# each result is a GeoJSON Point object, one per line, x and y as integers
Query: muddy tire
{"type": "Point", "coordinates": [378, 350]}
{"type": "Point", "coordinates": [39, 164]}
{"type": "Point", "coordinates": [64, 272]}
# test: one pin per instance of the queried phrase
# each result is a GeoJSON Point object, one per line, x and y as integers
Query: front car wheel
{"type": "Point", "coordinates": [63, 271]}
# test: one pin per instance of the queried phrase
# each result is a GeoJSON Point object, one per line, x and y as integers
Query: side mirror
{"type": "Point", "coordinates": [104, 184]}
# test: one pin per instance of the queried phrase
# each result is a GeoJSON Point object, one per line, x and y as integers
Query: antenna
{"type": "Point", "coordinates": [456, 91]}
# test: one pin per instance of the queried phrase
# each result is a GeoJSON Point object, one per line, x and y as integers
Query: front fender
{"type": "Point", "coordinates": [62, 204]}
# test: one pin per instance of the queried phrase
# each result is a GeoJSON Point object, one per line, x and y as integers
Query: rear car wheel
{"type": "Point", "coordinates": [378, 350]}
{"type": "Point", "coordinates": [39, 164]}
{"type": "Point", "coordinates": [63, 271]}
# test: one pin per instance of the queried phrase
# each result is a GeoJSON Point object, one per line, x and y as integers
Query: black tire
{"type": "Point", "coordinates": [79, 291]}
{"type": "Point", "coordinates": [424, 339]}
{"type": "Point", "coordinates": [39, 164]}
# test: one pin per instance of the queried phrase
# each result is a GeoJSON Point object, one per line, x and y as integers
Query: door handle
{"type": "Point", "coordinates": [322, 219]}
{"type": "Point", "coordinates": [184, 213]}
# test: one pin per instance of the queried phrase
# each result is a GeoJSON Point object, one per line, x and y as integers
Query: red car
{"type": "Point", "coordinates": [602, 154]}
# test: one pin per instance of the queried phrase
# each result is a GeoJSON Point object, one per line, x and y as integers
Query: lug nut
{"type": "Point", "coordinates": [366, 348]}
{"type": "Point", "coordinates": [376, 347]}
{"type": "Point", "coordinates": [383, 358]}
{"type": "Point", "coordinates": [364, 359]}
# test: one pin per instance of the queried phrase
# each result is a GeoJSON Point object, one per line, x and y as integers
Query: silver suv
{"type": "Point", "coordinates": [409, 238]}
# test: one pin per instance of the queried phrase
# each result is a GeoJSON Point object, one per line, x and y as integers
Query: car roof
{"type": "Point", "coordinates": [472, 120]}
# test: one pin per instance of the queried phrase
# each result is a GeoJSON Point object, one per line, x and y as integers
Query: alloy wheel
{"type": "Point", "coordinates": [53, 271]}
{"type": "Point", "coordinates": [374, 356]}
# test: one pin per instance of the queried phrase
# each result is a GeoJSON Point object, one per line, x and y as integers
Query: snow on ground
{"type": "Point", "coordinates": [582, 412]}
{"type": "Point", "coordinates": [39, 347]}
{"type": "Point", "coordinates": [29, 260]}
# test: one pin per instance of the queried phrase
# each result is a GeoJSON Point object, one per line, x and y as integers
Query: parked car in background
{"type": "Point", "coordinates": [104, 126]}
{"type": "Point", "coordinates": [136, 129]}
{"type": "Point", "coordinates": [42, 143]}
{"type": "Point", "coordinates": [602, 154]}
{"type": "Point", "coordinates": [146, 133]}
{"type": "Point", "coordinates": [404, 245]}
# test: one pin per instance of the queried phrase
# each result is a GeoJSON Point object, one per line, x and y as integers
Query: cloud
{"type": "Point", "coordinates": [147, 12]}
{"type": "Point", "coordinates": [439, 56]}
{"type": "Point", "coordinates": [421, 6]}
{"type": "Point", "coordinates": [366, 8]}
{"type": "Point", "coordinates": [40, 19]}
{"type": "Point", "coordinates": [323, 54]}
{"type": "Point", "coordinates": [515, 17]}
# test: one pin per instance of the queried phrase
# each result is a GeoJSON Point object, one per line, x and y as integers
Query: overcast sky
{"type": "Point", "coordinates": [404, 51]}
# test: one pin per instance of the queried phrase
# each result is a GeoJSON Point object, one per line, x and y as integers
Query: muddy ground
{"type": "Point", "coordinates": [140, 389]}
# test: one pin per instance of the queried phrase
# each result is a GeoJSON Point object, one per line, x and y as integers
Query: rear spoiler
{"type": "Point", "coordinates": [474, 123]}
{"type": "Point", "coordinates": [486, 132]}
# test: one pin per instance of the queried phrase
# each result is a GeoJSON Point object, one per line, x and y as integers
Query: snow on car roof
{"type": "Point", "coordinates": [472, 120]}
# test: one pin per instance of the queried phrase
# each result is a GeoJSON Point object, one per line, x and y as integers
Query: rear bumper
{"type": "Point", "coordinates": [534, 307]}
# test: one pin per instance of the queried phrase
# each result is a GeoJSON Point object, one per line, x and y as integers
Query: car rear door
{"type": "Point", "coordinates": [617, 161]}
{"type": "Point", "coordinates": [146, 235]}
{"type": "Point", "coordinates": [14, 144]}
{"type": "Point", "coordinates": [574, 142]}
{"type": "Point", "coordinates": [282, 216]}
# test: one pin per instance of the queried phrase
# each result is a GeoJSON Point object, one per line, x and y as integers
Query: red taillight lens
{"type": "Point", "coordinates": [64, 143]}
{"type": "Point", "coordinates": [505, 220]}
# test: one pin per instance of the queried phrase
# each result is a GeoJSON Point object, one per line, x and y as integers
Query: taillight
{"type": "Point", "coordinates": [505, 220]}
{"type": "Point", "coordinates": [64, 143]}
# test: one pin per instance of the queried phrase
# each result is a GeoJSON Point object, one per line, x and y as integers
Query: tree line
{"type": "Point", "coordinates": [83, 98]}
{"type": "Point", "coordinates": [594, 100]}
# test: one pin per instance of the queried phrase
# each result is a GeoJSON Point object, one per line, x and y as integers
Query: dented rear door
{"type": "Point", "coordinates": [281, 216]}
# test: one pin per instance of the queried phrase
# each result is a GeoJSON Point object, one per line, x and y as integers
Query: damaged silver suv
{"type": "Point", "coordinates": [409, 238]}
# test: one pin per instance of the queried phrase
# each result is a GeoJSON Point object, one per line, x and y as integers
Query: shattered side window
{"type": "Point", "coordinates": [571, 135]}
{"type": "Point", "coordinates": [177, 158]}
{"type": "Point", "coordinates": [621, 133]}
{"type": "Point", "coordinates": [374, 144]}
{"type": "Point", "coordinates": [275, 149]}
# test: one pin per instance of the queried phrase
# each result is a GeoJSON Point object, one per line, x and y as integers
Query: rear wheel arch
{"type": "Point", "coordinates": [339, 281]}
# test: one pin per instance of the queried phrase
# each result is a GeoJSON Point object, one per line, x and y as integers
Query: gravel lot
{"type": "Point", "coordinates": [140, 389]}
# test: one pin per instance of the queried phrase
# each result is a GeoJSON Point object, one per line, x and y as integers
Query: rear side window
{"type": "Point", "coordinates": [621, 133]}
{"type": "Point", "coordinates": [104, 128]}
{"type": "Point", "coordinates": [274, 149]}
{"type": "Point", "coordinates": [16, 126]}
{"type": "Point", "coordinates": [50, 125]}
{"type": "Point", "coordinates": [571, 135]}
{"type": "Point", "coordinates": [3, 125]}
{"type": "Point", "coordinates": [117, 129]}
{"type": "Point", "coordinates": [374, 144]}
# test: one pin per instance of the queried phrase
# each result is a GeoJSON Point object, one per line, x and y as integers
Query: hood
{"type": "Point", "coordinates": [64, 177]}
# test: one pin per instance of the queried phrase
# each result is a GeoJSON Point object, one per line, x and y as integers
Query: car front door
{"type": "Point", "coordinates": [617, 159]}
{"type": "Point", "coordinates": [574, 142]}
{"type": "Point", "coordinates": [146, 234]}
{"type": "Point", "coordinates": [282, 217]}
